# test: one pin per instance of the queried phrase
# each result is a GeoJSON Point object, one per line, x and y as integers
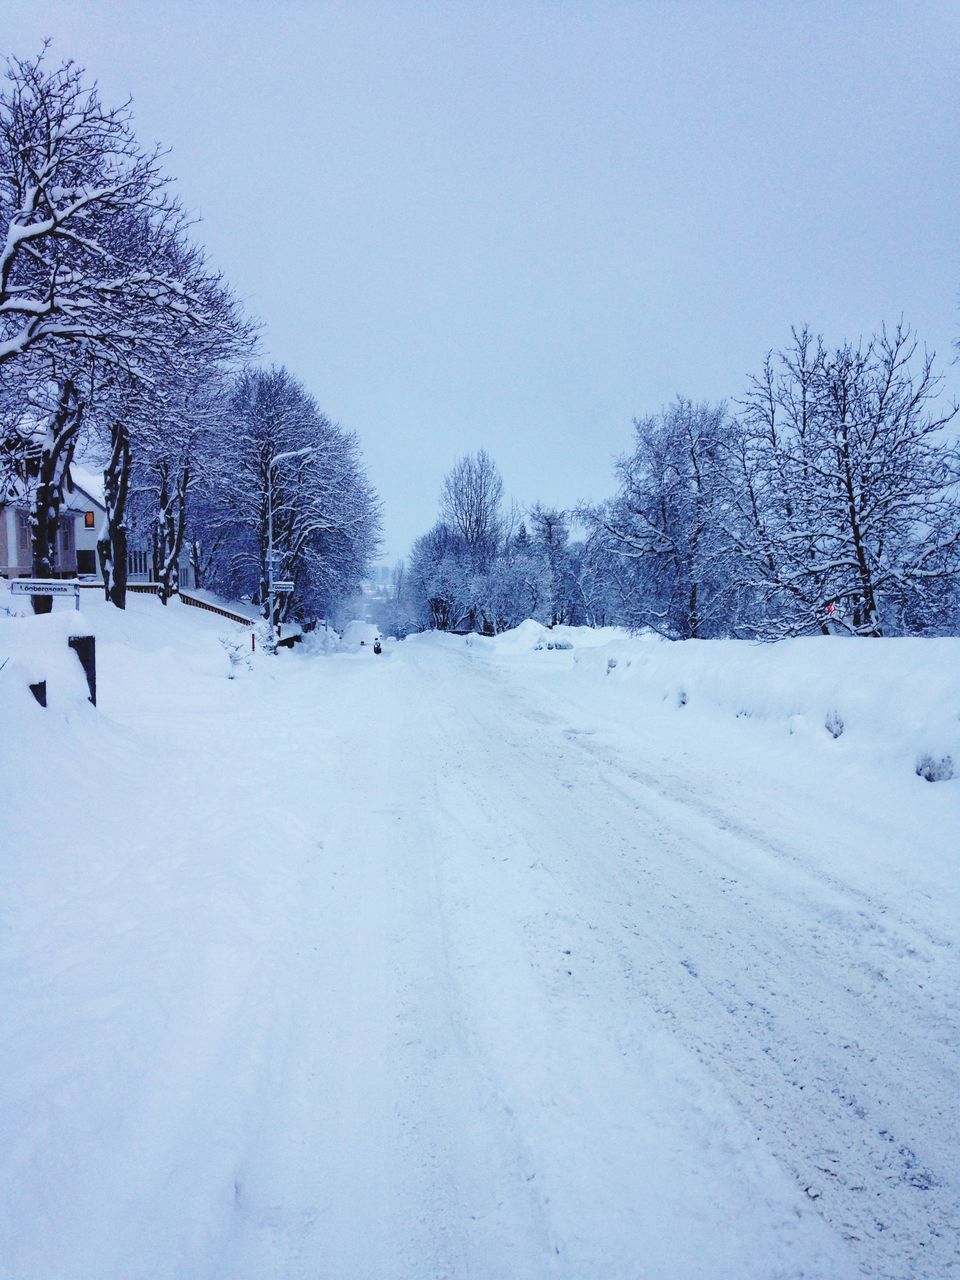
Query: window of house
{"type": "Point", "coordinates": [23, 533]}
{"type": "Point", "coordinates": [66, 535]}
{"type": "Point", "coordinates": [88, 519]}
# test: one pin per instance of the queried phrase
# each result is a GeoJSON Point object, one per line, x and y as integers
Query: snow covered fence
{"type": "Point", "coordinates": [196, 603]}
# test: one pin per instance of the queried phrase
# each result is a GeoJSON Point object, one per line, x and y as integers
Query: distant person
{"type": "Point", "coordinates": [377, 646]}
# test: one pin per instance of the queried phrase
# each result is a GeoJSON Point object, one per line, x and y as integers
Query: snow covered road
{"type": "Point", "coordinates": [421, 967]}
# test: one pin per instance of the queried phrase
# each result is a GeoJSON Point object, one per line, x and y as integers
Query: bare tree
{"type": "Point", "coordinates": [470, 504]}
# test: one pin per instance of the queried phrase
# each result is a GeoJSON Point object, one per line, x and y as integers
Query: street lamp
{"type": "Point", "coordinates": [277, 457]}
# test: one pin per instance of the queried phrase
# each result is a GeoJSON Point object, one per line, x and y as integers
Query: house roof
{"type": "Point", "coordinates": [87, 491]}
{"type": "Point", "coordinates": [87, 483]}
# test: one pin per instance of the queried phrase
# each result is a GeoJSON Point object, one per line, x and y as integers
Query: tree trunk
{"type": "Point", "coordinates": [52, 474]}
{"type": "Point", "coordinates": [170, 531]}
{"type": "Point", "coordinates": [157, 530]}
{"type": "Point", "coordinates": [693, 617]}
{"type": "Point", "coordinates": [112, 545]}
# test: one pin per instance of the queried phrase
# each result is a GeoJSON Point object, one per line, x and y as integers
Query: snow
{"type": "Point", "coordinates": [476, 959]}
{"type": "Point", "coordinates": [89, 481]}
{"type": "Point", "coordinates": [358, 634]}
{"type": "Point", "coordinates": [36, 648]}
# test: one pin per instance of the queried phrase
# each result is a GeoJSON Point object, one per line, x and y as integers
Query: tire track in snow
{"type": "Point", "coordinates": [401, 1166]}
{"type": "Point", "coordinates": [552, 1008]}
{"type": "Point", "coordinates": [767, 971]}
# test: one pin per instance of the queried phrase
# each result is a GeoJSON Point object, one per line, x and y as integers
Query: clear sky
{"type": "Point", "coordinates": [517, 226]}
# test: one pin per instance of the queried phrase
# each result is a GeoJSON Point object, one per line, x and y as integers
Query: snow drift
{"type": "Point", "coordinates": [893, 701]}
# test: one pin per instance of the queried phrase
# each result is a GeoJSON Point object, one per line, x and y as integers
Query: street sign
{"type": "Point", "coordinates": [283, 586]}
{"type": "Point", "coordinates": [46, 587]}
{"type": "Point", "coordinates": [42, 587]}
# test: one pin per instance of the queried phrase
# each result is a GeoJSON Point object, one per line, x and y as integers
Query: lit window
{"type": "Point", "coordinates": [88, 519]}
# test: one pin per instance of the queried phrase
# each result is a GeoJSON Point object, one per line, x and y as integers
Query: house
{"type": "Point", "coordinates": [81, 516]}
{"type": "Point", "coordinates": [81, 520]}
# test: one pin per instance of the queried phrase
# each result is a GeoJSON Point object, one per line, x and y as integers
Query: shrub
{"type": "Point", "coordinates": [934, 768]}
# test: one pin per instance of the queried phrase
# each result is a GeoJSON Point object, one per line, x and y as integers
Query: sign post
{"type": "Point", "coordinates": [47, 587]}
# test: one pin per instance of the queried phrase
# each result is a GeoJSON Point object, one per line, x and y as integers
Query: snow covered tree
{"type": "Point", "coordinates": [395, 613]}
{"type": "Point", "coordinates": [437, 580]}
{"type": "Point", "coordinates": [290, 479]}
{"type": "Point", "coordinates": [665, 523]}
{"type": "Point", "coordinates": [475, 569]}
{"type": "Point", "coordinates": [515, 586]}
{"type": "Point", "coordinates": [174, 437]}
{"type": "Point", "coordinates": [174, 350]}
{"type": "Point", "coordinates": [551, 539]}
{"type": "Point", "coordinates": [70, 169]}
{"type": "Point", "coordinates": [845, 490]}
{"type": "Point", "coordinates": [599, 582]}
{"type": "Point", "coordinates": [43, 405]}
{"type": "Point", "coordinates": [480, 567]}
{"type": "Point", "coordinates": [49, 474]}
{"type": "Point", "coordinates": [96, 272]}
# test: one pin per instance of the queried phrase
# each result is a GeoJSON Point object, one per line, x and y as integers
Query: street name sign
{"type": "Point", "coordinates": [46, 587]}
{"type": "Point", "coordinates": [43, 586]}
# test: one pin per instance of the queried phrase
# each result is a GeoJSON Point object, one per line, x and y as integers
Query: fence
{"type": "Point", "coordinates": [215, 608]}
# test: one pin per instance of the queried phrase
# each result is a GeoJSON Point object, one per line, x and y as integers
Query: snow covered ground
{"type": "Point", "coordinates": [477, 959]}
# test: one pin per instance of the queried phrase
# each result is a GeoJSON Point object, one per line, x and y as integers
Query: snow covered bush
{"type": "Point", "coordinates": [935, 768]}
{"type": "Point", "coordinates": [554, 644]}
{"type": "Point", "coordinates": [238, 655]}
{"type": "Point", "coordinates": [265, 639]}
{"type": "Point", "coordinates": [834, 724]}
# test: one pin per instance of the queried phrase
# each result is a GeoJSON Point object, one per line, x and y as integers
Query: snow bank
{"type": "Point", "coordinates": [320, 641]}
{"type": "Point", "coordinates": [358, 634]}
{"type": "Point", "coordinates": [533, 636]}
{"type": "Point", "coordinates": [895, 699]}
{"type": "Point", "coordinates": [36, 648]}
{"type": "Point", "coordinates": [529, 635]}
{"type": "Point", "coordinates": [439, 640]}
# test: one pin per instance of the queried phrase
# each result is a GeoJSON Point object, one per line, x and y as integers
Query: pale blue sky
{"type": "Point", "coordinates": [516, 226]}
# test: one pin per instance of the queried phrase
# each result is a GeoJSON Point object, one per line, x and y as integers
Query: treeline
{"type": "Point", "coordinates": [825, 500]}
{"type": "Point", "coordinates": [120, 342]}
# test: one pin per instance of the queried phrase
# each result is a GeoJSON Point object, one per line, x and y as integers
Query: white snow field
{"type": "Point", "coordinates": [477, 959]}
